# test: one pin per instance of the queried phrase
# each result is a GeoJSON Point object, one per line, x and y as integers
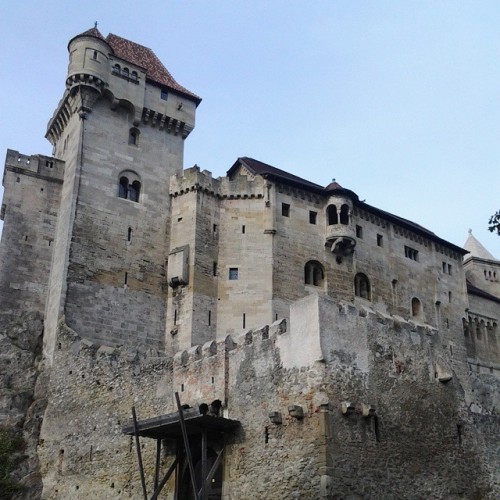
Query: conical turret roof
{"type": "Point", "coordinates": [476, 249]}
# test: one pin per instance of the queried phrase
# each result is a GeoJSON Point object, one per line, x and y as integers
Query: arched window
{"type": "Point", "coordinates": [416, 307]}
{"type": "Point", "coordinates": [331, 215]}
{"type": "Point", "coordinates": [133, 75]}
{"type": "Point", "coordinates": [123, 188]}
{"type": "Point", "coordinates": [465, 326]}
{"type": "Point", "coordinates": [134, 190]}
{"type": "Point", "coordinates": [125, 72]}
{"type": "Point", "coordinates": [116, 69]}
{"type": "Point", "coordinates": [313, 273]}
{"type": "Point", "coordinates": [344, 214]}
{"type": "Point", "coordinates": [129, 186]}
{"type": "Point", "coordinates": [133, 136]}
{"type": "Point", "coordinates": [362, 286]}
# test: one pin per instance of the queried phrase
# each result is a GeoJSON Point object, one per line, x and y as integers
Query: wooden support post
{"type": "Point", "coordinates": [166, 477]}
{"type": "Point", "coordinates": [203, 494]}
{"type": "Point", "coordinates": [213, 470]}
{"type": "Point", "coordinates": [139, 455]}
{"type": "Point", "coordinates": [157, 465]}
{"type": "Point", "coordinates": [186, 445]}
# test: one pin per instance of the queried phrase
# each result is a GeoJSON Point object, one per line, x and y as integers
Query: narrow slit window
{"type": "Point", "coordinates": [214, 269]}
{"type": "Point", "coordinates": [243, 229]}
{"type": "Point", "coordinates": [244, 320]}
{"type": "Point", "coordinates": [209, 318]}
{"type": "Point", "coordinates": [126, 279]}
{"type": "Point", "coordinates": [129, 234]}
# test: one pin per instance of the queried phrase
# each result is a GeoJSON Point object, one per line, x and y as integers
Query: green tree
{"type": "Point", "coordinates": [494, 223]}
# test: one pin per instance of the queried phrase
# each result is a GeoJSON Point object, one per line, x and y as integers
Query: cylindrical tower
{"type": "Point", "coordinates": [88, 61]}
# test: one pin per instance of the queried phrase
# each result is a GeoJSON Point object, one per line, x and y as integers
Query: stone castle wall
{"type": "Point", "coordinates": [429, 435]}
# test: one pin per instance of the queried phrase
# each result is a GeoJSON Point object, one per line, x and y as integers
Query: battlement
{"type": "Point", "coordinates": [192, 179]}
{"type": "Point", "coordinates": [46, 167]}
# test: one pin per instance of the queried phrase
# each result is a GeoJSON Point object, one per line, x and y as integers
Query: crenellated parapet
{"type": "Point", "coordinates": [192, 179]}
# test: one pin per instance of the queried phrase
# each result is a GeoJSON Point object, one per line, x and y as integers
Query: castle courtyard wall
{"type": "Point", "coordinates": [413, 427]}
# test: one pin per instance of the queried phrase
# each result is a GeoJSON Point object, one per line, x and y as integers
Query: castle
{"type": "Point", "coordinates": [325, 347]}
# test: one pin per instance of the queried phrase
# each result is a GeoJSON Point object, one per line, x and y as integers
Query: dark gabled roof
{"type": "Point", "coordinates": [259, 168]}
{"type": "Point", "coordinates": [474, 290]}
{"type": "Point", "coordinates": [143, 57]}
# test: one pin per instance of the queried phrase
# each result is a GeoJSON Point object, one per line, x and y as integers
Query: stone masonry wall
{"type": "Point", "coordinates": [428, 435]}
{"type": "Point", "coordinates": [29, 211]}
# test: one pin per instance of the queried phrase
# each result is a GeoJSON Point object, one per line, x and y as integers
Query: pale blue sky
{"type": "Point", "coordinates": [397, 100]}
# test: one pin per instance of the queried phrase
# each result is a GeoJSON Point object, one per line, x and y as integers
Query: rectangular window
{"type": "Point", "coordinates": [164, 95]}
{"type": "Point", "coordinates": [243, 229]}
{"type": "Point", "coordinates": [359, 232]}
{"type": "Point", "coordinates": [312, 217]}
{"type": "Point", "coordinates": [444, 267]}
{"type": "Point", "coordinates": [285, 210]}
{"type": "Point", "coordinates": [233, 273]}
{"type": "Point", "coordinates": [215, 269]}
{"type": "Point", "coordinates": [411, 253]}
{"type": "Point", "coordinates": [449, 268]}
{"type": "Point", "coordinates": [380, 240]}
{"type": "Point", "coordinates": [215, 228]}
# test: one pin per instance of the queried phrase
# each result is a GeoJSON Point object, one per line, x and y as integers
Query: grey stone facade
{"type": "Point", "coordinates": [376, 377]}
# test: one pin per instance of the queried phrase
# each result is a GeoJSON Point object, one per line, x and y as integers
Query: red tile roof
{"type": "Point", "coordinates": [143, 57]}
{"type": "Point", "coordinates": [146, 58]}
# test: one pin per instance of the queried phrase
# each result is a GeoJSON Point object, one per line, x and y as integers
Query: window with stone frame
{"type": "Point", "coordinates": [362, 286]}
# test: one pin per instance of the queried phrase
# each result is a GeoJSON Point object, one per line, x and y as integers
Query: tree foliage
{"type": "Point", "coordinates": [494, 223]}
{"type": "Point", "coordinates": [10, 446]}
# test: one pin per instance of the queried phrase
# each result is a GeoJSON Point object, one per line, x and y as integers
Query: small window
{"type": "Point", "coordinates": [285, 210]}
{"type": "Point", "coordinates": [444, 267]}
{"type": "Point", "coordinates": [362, 287]}
{"type": "Point", "coordinates": [125, 72]}
{"type": "Point", "coordinates": [313, 273]}
{"type": "Point", "coordinates": [164, 95]}
{"type": "Point", "coordinates": [214, 228]}
{"type": "Point", "coordinates": [359, 232]}
{"type": "Point", "coordinates": [242, 229]}
{"type": "Point", "coordinates": [411, 253]}
{"type": "Point", "coordinates": [133, 137]}
{"type": "Point", "coordinates": [416, 307]}
{"type": "Point", "coordinates": [134, 190]}
{"type": "Point", "coordinates": [133, 75]}
{"type": "Point", "coordinates": [129, 189]}
{"type": "Point", "coordinates": [312, 217]}
{"type": "Point", "coordinates": [214, 269]}
{"type": "Point", "coordinates": [449, 297]}
{"type": "Point", "coordinates": [116, 69]}
{"type": "Point", "coordinates": [380, 240]}
{"type": "Point", "coordinates": [233, 273]}
{"type": "Point", "coordinates": [332, 216]}
{"type": "Point", "coordinates": [94, 56]}
{"type": "Point", "coordinates": [344, 214]}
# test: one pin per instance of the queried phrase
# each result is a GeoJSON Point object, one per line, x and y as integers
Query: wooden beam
{"type": "Point", "coordinates": [166, 477]}
{"type": "Point", "coordinates": [139, 455]}
{"type": "Point", "coordinates": [186, 446]}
